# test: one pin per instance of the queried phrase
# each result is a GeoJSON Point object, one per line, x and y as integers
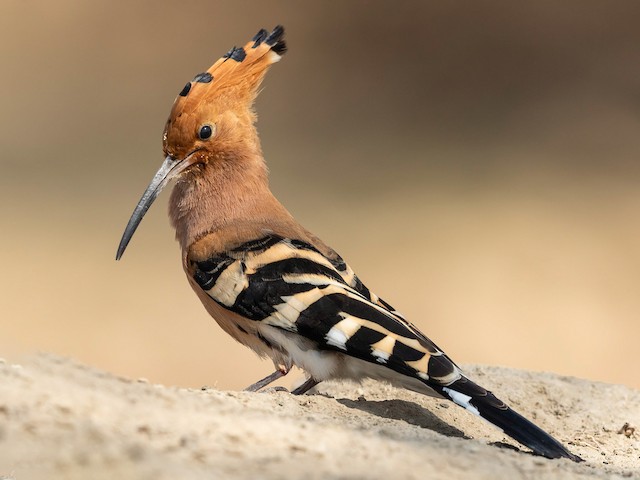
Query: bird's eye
{"type": "Point", "coordinates": [205, 132]}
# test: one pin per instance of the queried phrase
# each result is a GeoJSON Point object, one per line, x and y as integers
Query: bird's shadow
{"type": "Point", "coordinates": [403, 410]}
{"type": "Point", "coordinates": [414, 414]}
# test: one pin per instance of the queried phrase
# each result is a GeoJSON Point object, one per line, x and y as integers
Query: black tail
{"type": "Point", "coordinates": [477, 400]}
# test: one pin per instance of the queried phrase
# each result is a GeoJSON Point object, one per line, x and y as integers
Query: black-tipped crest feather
{"type": "Point", "coordinates": [276, 41]}
{"type": "Point", "coordinates": [259, 37]}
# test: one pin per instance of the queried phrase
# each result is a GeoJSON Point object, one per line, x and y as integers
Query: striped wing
{"type": "Point", "coordinates": [289, 284]}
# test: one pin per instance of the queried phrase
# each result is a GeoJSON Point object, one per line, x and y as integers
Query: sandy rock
{"type": "Point", "coordinates": [61, 419]}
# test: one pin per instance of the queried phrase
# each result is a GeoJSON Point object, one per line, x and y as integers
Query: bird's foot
{"type": "Point", "coordinates": [305, 387]}
{"type": "Point", "coordinates": [275, 389]}
{"type": "Point", "coordinates": [279, 373]}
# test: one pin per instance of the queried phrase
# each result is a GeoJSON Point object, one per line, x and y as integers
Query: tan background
{"type": "Point", "coordinates": [476, 163]}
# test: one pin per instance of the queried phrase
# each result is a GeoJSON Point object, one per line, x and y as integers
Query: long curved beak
{"type": "Point", "coordinates": [169, 169]}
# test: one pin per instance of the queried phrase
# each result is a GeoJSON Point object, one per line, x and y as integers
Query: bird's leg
{"type": "Point", "coordinates": [279, 373]}
{"type": "Point", "coordinates": [305, 387]}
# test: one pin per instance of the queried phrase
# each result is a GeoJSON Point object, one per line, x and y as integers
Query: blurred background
{"type": "Point", "coordinates": [477, 163]}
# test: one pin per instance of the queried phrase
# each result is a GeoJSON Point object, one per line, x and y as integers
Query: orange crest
{"type": "Point", "coordinates": [230, 85]}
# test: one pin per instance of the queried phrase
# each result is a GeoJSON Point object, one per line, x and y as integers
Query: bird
{"type": "Point", "coordinates": [271, 284]}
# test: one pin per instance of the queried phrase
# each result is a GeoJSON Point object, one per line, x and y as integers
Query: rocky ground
{"type": "Point", "coordinates": [61, 419]}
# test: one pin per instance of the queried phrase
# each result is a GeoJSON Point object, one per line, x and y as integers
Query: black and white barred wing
{"type": "Point", "coordinates": [290, 285]}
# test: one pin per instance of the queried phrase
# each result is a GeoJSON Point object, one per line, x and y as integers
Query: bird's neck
{"type": "Point", "coordinates": [220, 194]}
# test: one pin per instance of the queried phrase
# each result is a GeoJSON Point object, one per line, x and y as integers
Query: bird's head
{"type": "Point", "coordinates": [212, 118]}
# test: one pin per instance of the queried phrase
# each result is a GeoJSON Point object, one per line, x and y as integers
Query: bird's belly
{"type": "Point", "coordinates": [352, 368]}
{"type": "Point", "coordinates": [320, 364]}
{"type": "Point", "coordinates": [328, 364]}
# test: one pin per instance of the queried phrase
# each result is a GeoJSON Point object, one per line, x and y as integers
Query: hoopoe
{"type": "Point", "coordinates": [269, 283]}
